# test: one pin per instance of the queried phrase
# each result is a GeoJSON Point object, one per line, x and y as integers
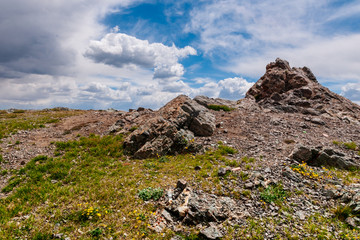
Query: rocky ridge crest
{"type": "Point", "coordinates": [290, 90]}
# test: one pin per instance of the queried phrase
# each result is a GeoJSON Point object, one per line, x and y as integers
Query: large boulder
{"type": "Point", "coordinates": [287, 89]}
{"type": "Point", "coordinates": [323, 157]}
{"type": "Point", "coordinates": [171, 130]}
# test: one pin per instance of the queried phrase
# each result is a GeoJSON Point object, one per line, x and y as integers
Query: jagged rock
{"type": "Point", "coordinates": [287, 172]}
{"type": "Point", "coordinates": [172, 130]}
{"type": "Point", "coordinates": [196, 207]}
{"type": "Point", "coordinates": [319, 157]}
{"type": "Point", "coordinates": [296, 90]}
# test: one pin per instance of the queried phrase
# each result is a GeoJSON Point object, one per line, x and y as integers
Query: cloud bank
{"type": "Point", "coordinates": [57, 53]}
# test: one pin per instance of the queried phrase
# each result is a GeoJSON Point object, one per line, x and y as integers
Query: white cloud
{"type": "Point", "coordinates": [352, 91]}
{"type": "Point", "coordinates": [233, 88]}
{"type": "Point", "coordinates": [247, 35]}
{"type": "Point", "coordinates": [119, 50]}
{"type": "Point", "coordinates": [229, 88]}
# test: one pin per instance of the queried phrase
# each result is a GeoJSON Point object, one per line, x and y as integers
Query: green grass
{"type": "Point", "coordinates": [150, 193]}
{"type": "Point", "coordinates": [220, 107]}
{"type": "Point", "coordinates": [273, 193]}
{"type": "Point", "coordinates": [10, 123]}
{"type": "Point", "coordinates": [347, 145]}
{"type": "Point", "coordinates": [350, 145]}
{"type": "Point", "coordinates": [92, 172]}
{"type": "Point", "coordinates": [91, 190]}
{"type": "Point", "coordinates": [226, 149]}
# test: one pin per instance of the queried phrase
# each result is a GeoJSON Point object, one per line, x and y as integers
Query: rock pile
{"type": "Point", "coordinates": [171, 130]}
{"type": "Point", "coordinates": [325, 157]}
{"type": "Point", "coordinates": [195, 207]}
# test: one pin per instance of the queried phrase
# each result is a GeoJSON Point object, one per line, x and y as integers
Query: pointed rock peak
{"type": "Point", "coordinates": [279, 63]}
{"type": "Point", "coordinates": [287, 89]}
{"type": "Point", "coordinates": [280, 78]}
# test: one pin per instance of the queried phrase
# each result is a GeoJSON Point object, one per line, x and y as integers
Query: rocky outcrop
{"type": "Point", "coordinates": [287, 89]}
{"type": "Point", "coordinates": [171, 130]}
{"type": "Point", "coordinates": [323, 157]}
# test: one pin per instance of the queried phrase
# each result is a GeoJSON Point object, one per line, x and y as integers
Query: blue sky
{"type": "Point", "coordinates": [129, 53]}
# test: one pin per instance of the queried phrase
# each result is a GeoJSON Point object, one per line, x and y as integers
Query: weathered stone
{"type": "Point", "coordinates": [287, 172]}
{"type": "Point", "coordinates": [172, 130]}
{"type": "Point", "coordinates": [224, 171]}
{"type": "Point", "coordinates": [211, 232]}
{"type": "Point", "coordinates": [353, 221]}
{"type": "Point", "coordinates": [166, 215]}
{"type": "Point", "coordinates": [319, 157]}
{"type": "Point", "coordinates": [317, 121]}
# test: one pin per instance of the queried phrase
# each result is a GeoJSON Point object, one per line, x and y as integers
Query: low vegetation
{"type": "Point", "coordinates": [17, 120]}
{"type": "Point", "coordinates": [220, 107]}
{"type": "Point", "coordinates": [90, 190]}
{"type": "Point", "coordinates": [273, 193]}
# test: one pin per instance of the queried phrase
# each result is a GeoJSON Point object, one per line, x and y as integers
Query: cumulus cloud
{"type": "Point", "coordinates": [352, 91]}
{"type": "Point", "coordinates": [99, 91]}
{"type": "Point", "coordinates": [247, 35]}
{"type": "Point", "coordinates": [120, 50]}
{"type": "Point", "coordinates": [229, 88]}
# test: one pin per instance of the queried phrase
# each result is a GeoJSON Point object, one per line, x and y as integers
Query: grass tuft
{"type": "Point", "coordinates": [220, 107]}
{"type": "Point", "coordinates": [150, 193]}
{"type": "Point", "coordinates": [273, 193]}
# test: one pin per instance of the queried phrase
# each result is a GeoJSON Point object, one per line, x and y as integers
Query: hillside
{"type": "Point", "coordinates": [281, 163]}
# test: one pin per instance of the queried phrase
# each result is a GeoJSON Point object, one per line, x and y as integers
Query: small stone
{"type": "Point", "coordinates": [317, 121]}
{"type": "Point", "coordinates": [353, 221]}
{"type": "Point", "coordinates": [197, 168]}
{"type": "Point", "coordinates": [224, 171]}
{"type": "Point", "coordinates": [301, 215]}
{"type": "Point", "coordinates": [211, 232]}
{"type": "Point", "coordinates": [329, 193]}
{"type": "Point", "coordinates": [177, 237]}
{"type": "Point", "coordinates": [181, 184]}
{"type": "Point", "coordinates": [249, 185]}
{"type": "Point", "coordinates": [267, 170]}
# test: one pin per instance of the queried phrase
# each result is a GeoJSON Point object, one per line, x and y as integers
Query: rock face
{"type": "Point", "coordinates": [171, 130]}
{"type": "Point", "coordinates": [287, 89]}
